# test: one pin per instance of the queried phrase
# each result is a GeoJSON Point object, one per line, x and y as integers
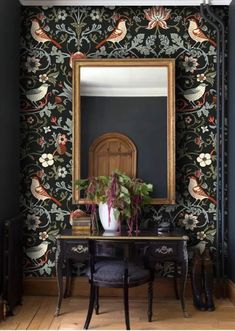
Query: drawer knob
{"type": "Point", "coordinates": [80, 249]}
{"type": "Point", "coordinates": [164, 250]}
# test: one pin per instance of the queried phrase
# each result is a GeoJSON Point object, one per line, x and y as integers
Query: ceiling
{"type": "Point", "coordinates": [122, 2]}
{"type": "Point", "coordinates": [124, 81]}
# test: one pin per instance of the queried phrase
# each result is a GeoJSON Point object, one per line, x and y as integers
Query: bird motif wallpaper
{"type": "Point", "coordinates": [51, 37]}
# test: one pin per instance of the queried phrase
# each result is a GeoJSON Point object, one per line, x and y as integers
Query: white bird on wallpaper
{"type": "Point", "coordinates": [37, 94]}
{"type": "Point", "coordinates": [35, 252]}
{"type": "Point", "coordinates": [195, 93]}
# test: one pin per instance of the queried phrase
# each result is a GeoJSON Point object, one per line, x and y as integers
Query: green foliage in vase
{"type": "Point", "coordinates": [124, 194]}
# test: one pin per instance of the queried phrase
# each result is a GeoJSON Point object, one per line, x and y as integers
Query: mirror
{"type": "Point", "coordinates": [124, 111]}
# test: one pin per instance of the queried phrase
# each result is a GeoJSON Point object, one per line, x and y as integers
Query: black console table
{"type": "Point", "coordinates": [162, 247]}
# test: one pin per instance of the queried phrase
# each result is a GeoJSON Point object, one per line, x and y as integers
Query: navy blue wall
{"type": "Point", "coordinates": [9, 108]}
{"type": "Point", "coordinates": [231, 151]}
{"type": "Point", "coordinates": [126, 115]}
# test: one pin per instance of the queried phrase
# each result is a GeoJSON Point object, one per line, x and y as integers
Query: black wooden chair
{"type": "Point", "coordinates": [111, 266]}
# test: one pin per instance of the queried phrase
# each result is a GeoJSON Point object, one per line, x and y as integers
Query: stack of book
{"type": "Point", "coordinates": [81, 225]}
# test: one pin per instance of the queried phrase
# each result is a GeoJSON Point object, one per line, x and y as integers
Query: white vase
{"type": "Point", "coordinates": [108, 223]}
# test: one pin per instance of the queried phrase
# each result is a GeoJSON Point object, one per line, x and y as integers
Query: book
{"type": "Point", "coordinates": [81, 230]}
{"type": "Point", "coordinates": [81, 225]}
{"type": "Point", "coordinates": [82, 221]}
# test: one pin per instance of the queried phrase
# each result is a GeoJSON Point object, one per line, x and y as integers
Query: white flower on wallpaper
{"type": "Point", "coordinates": [32, 64]}
{"type": "Point", "coordinates": [32, 222]}
{"type": "Point", "coordinates": [190, 221]}
{"type": "Point", "coordinates": [204, 159]}
{"type": "Point", "coordinates": [46, 160]}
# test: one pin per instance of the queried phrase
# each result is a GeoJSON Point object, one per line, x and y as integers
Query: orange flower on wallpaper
{"type": "Point", "coordinates": [157, 16]}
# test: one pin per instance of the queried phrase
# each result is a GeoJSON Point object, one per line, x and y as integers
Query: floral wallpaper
{"type": "Point", "coordinates": [51, 37]}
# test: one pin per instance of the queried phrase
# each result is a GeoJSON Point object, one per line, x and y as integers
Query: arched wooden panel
{"type": "Point", "coordinates": [112, 151]}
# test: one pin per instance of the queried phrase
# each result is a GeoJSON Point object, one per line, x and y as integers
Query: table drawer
{"type": "Point", "coordinates": [164, 249]}
{"type": "Point", "coordinates": [77, 250]}
{"type": "Point", "coordinates": [158, 250]}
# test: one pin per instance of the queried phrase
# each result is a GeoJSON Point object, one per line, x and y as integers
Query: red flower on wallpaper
{"type": "Point", "coordinates": [62, 139]}
{"type": "Point", "coordinates": [77, 55]}
{"type": "Point", "coordinates": [211, 119]}
{"type": "Point", "coordinates": [58, 100]}
{"type": "Point", "coordinates": [53, 119]}
{"type": "Point", "coordinates": [157, 17]}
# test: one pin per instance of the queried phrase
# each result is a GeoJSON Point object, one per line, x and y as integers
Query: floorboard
{"type": "Point", "coordinates": [37, 313]}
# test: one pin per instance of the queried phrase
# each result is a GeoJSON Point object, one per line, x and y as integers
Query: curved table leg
{"type": "Point", "coordinates": [59, 275]}
{"type": "Point", "coordinates": [175, 280]}
{"type": "Point", "coordinates": [68, 279]}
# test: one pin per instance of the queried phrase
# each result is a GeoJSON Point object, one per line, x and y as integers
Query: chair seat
{"type": "Point", "coordinates": [113, 271]}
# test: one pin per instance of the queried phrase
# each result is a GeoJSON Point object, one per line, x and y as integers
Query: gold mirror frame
{"type": "Point", "coordinates": [170, 65]}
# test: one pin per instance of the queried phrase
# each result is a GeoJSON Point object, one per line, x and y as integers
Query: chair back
{"type": "Point", "coordinates": [106, 250]}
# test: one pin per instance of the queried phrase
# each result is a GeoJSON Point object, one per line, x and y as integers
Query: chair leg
{"type": "Point", "coordinates": [97, 300]}
{"type": "Point", "coordinates": [91, 306]}
{"type": "Point", "coordinates": [150, 300]}
{"type": "Point", "coordinates": [126, 306]}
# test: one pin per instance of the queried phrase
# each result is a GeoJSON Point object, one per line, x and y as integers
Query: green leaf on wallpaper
{"type": "Point", "coordinates": [150, 41]}
{"type": "Point", "coordinates": [203, 111]}
{"type": "Point", "coordinates": [68, 123]}
{"type": "Point", "coordinates": [164, 40]}
{"type": "Point", "coordinates": [101, 52]}
{"type": "Point", "coordinates": [170, 50]}
{"type": "Point", "coordinates": [52, 238]}
{"type": "Point", "coordinates": [75, 25]}
{"type": "Point", "coordinates": [84, 38]}
{"type": "Point", "coordinates": [41, 271]}
{"type": "Point", "coordinates": [59, 159]}
{"type": "Point", "coordinates": [170, 208]}
{"type": "Point", "coordinates": [45, 111]}
{"type": "Point", "coordinates": [210, 77]}
{"type": "Point", "coordinates": [95, 28]}
{"type": "Point", "coordinates": [61, 186]}
{"type": "Point", "coordinates": [59, 217]}
{"type": "Point", "coordinates": [67, 92]}
{"type": "Point", "coordinates": [189, 156]}
{"type": "Point", "coordinates": [210, 235]}
{"type": "Point", "coordinates": [212, 208]}
{"type": "Point", "coordinates": [52, 77]}
{"type": "Point", "coordinates": [60, 108]}
{"type": "Point", "coordinates": [49, 266]}
{"type": "Point", "coordinates": [143, 50]}
{"type": "Point", "coordinates": [137, 40]}
{"type": "Point", "coordinates": [53, 233]}
{"type": "Point", "coordinates": [214, 176]}
{"type": "Point", "coordinates": [176, 39]}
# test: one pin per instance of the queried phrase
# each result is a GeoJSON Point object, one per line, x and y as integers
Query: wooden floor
{"type": "Point", "coordinates": [38, 313]}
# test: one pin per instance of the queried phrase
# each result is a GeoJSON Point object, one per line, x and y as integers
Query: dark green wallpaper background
{"type": "Point", "coordinates": [46, 114]}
